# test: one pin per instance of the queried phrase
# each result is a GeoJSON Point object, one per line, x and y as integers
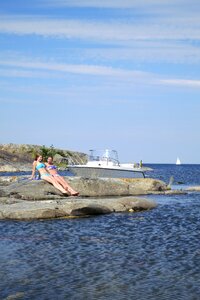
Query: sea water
{"type": "Point", "coordinates": [150, 255]}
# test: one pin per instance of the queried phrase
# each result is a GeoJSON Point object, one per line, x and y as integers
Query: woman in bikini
{"type": "Point", "coordinates": [41, 168]}
{"type": "Point", "coordinates": [52, 169]}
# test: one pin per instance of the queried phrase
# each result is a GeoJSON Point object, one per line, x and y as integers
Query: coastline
{"type": "Point", "coordinates": [19, 157]}
{"type": "Point", "coordinates": [24, 199]}
{"type": "Point", "coordinates": [35, 199]}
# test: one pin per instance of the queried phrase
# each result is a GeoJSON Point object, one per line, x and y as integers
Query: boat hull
{"type": "Point", "coordinates": [88, 172]}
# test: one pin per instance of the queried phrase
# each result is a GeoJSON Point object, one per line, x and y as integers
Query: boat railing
{"type": "Point", "coordinates": [103, 158]}
{"type": "Point", "coordinates": [94, 158]}
{"type": "Point", "coordinates": [113, 160]}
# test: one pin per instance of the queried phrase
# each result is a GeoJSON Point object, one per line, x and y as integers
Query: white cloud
{"type": "Point", "coordinates": [160, 33]}
{"type": "Point", "coordinates": [109, 76]}
{"type": "Point", "coordinates": [75, 69]}
{"type": "Point", "coordinates": [113, 30]}
{"type": "Point", "coordinates": [182, 82]}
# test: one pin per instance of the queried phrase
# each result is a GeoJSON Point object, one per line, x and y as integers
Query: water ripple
{"type": "Point", "coordinates": [148, 255]}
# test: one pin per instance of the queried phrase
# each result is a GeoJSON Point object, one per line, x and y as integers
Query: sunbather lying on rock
{"type": "Point", "coordinates": [44, 174]}
{"type": "Point", "coordinates": [52, 169]}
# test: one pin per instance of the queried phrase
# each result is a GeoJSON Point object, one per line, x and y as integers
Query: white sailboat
{"type": "Point", "coordinates": [178, 162]}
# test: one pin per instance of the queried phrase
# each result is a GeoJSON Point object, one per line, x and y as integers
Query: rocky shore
{"type": "Point", "coordinates": [19, 157]}
{"type": "Point", "coordinates": [25, 199]}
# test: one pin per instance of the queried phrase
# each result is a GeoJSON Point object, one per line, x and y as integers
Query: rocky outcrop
{"type": "Point", "coordinates": [14, 157]}
{"type": "Point", "coordinates": [8, 168]}
{"type": "Point", "coordinates": [28, 210]}
{"type": "Point", "coordinates": [22, 198]}
{"type": "Point", "coordinates": [23, 188]}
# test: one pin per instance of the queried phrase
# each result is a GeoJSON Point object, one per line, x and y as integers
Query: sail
{"type": "Point", "coordinates": [178, 162]}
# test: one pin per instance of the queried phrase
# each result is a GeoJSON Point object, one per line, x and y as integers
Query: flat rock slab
{"type": "Point", "coordinates": [23, 188]}
{"type": "Point", "coordinates": [25, 199]}
{"type": "Point", "coordinates": [71, 207]}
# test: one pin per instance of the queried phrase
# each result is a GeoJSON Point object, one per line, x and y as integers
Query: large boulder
{"type": "Point", "coordinates": [116, 187]}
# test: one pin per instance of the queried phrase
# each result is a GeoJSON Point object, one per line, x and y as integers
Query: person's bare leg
{"type": "Point", "coordinates": [66, 185]}
{"type": "Point", "coordinates": [61, 180]}
{"type": "Point", "coordinates": [55, 183]}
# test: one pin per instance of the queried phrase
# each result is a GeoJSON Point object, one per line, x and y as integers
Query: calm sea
{"type": "Point", "coordinates": [150, 255]}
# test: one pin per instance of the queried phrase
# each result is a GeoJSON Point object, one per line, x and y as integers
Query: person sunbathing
{"type": "Point", "coordinates": [44, 174]}
{"type": "Point", "coordinates": [52, 169]}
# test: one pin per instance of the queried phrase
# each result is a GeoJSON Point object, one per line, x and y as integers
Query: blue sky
{"type": "Point", "coordinates": [117, 74]}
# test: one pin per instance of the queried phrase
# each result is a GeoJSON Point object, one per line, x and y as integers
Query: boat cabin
{"type": "Point", "coordinates": [103, 157]}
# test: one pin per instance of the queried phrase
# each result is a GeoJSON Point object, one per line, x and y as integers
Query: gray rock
{"type": "Point", "coordinates": [39, 189]}
{"type": "Point", "coordinates": [57, 158]}
{"type": "Point", "coordinates": [101, 187]}
{"type": "Point", "coordinates": [36, 199]}
{"type": "Point", "coordinates": [8, 168]}
{"type": "Point", "coordinates": [92, 209]}
{"type": "Point", "coordinates": [28, 210]}
{"type": "Point", "coordinates": [116, 187]}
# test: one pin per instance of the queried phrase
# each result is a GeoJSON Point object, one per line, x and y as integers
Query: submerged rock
{"type": "Point", "coordinates": [195, 188]}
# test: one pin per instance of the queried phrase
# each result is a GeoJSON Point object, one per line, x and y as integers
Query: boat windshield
{"type": "Point", "coordinates": [103, 155]}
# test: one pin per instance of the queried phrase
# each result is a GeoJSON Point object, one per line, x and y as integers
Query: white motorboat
{"type": "Point", "coordinates": [105, 163]}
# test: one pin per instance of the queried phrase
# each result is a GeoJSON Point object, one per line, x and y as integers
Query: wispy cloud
{"type": "Point", "coordinates": [147, 51]}
{"type": "Point", "coordinates": [167, 33]}
{"type": "Point", "coordinates": [112, 30]}
{"type": "Point", "coordinates": [124, 77]}
{"type": "Point", "coordinates": [75, 69]}
{"type": "Point", "coordinates": [153, 11]}
{"type": "Point", "coordinates": [182, 82]}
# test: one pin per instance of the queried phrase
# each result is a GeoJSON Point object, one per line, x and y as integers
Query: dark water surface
{"type": "Point", "coordinates": [148, 255]}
